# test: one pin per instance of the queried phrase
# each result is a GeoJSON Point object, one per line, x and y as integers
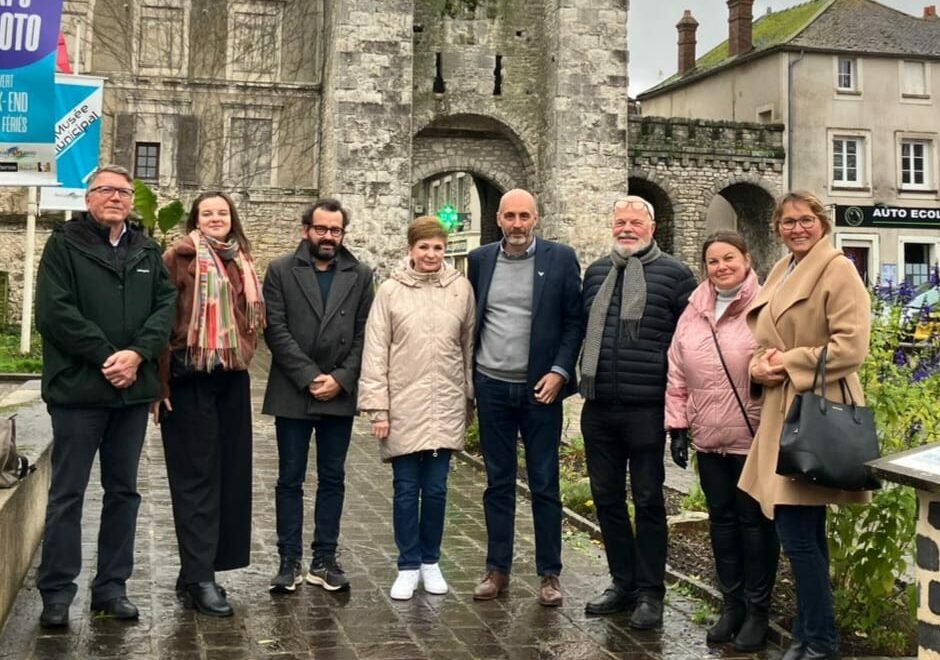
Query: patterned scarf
{"type": "Point", "coordinates": [212, 338]}
{"type": "Point", "coordinates": [632, 304]}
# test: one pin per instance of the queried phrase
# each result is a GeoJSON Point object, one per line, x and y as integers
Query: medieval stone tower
{"type": "Point", "coordinates": [518, 93]}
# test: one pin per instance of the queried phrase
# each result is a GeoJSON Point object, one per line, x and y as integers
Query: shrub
{"type": "Point", "coordinates": [12, 361]}
{"type": "Point", "coordinates": [870, 545]}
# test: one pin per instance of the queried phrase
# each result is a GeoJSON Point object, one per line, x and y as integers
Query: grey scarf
{"type": "Point", "coordinates": [632, 304]}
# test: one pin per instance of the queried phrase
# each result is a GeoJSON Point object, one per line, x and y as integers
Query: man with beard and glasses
{"type": "Point", "coordinates": [317, 302]}
{"type": "Point", "coordinates": [528, 334]}
{"type": "Point", "coordinates": [632, 301]}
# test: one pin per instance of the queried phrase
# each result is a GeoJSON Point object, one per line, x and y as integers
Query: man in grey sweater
{"type": "Point", "coordinates": [528, 339]}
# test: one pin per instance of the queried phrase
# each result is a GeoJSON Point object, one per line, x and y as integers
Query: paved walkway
{"type": "Point", "coordinates": [363, 623]}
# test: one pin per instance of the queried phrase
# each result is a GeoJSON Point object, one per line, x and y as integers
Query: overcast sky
{"type": "Point", "coordinates": [653, 31]}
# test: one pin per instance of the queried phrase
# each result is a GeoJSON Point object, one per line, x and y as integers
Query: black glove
{"type": "Point", "coordinates": [679, 447]}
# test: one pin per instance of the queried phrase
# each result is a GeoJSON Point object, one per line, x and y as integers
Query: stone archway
{"type": "Point", "coordinates": [481, 146]}
{"type": "Point", "coordinates": [753, 206]}
{"type": "Point", "coordinates": [663, 207]}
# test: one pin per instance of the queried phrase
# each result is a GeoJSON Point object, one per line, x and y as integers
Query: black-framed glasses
{"type": "Point", "coordinates": [107, 191]}
{"type": "Point", "coordinates": [321, 230]}
{"type": "Point", "coordinates": [806, 222]}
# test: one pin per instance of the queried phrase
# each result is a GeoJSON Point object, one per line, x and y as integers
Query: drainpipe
{"type": "Point", "coordinates": [790, 122]}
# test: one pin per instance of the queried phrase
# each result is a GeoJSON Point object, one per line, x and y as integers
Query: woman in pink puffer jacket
{"type": "Point", "coordinates": [700, 398]}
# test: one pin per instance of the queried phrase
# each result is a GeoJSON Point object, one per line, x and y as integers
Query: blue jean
{"type": "Point", "coordinates": [419, 527]}
{"type": "Point", "coordinates": [506, 411]}
{"type": "Point", "coordinates": [293, 445]}
{"type": "Point", "coordinates": [802, 532]}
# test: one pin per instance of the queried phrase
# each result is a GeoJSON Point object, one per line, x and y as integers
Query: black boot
{"type": "Point", "coordinates": [207, 598]}
{"type": "Point", "coordinates": [753, 634]}
{"type": "Point", "coordinates": [727, 626]}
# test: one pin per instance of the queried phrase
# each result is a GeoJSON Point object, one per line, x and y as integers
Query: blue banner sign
{"type": "Point", "coordinates": [29, 35]}
{"type": "Point", "coordinates": [77, 140]}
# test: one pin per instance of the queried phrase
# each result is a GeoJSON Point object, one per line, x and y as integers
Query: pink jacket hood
{"type": "Point", "coordinates": [698, 396]}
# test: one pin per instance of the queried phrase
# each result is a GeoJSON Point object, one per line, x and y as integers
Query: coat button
{"type": "Point", "coordinates": [342, 340]}
{"type": "Point", "coordinates": [342, 312]}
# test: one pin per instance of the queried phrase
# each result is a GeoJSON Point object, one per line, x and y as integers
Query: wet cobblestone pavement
{"type": "Point", "coordinates": [364, 622]}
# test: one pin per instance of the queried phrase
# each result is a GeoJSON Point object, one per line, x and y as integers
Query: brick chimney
{"type": "Point", "coordinates": [930, 12]}
{"type": "Point", "coordinates": [740, 18]}
{"type": "Point", "coordinates": [686, 27]}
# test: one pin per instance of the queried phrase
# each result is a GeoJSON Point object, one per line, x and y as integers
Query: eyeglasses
{"type": "Point", "coordinates": [806, 222]}
{"type": "Point", "coordinates": [635, 223]}
{"type": "Point", "coordinates": [335, 232]}
{"type": "Point", "coordinates": [107, 191]}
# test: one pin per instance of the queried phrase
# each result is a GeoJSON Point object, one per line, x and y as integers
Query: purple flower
{"type": "Point", "coordinates": [924, 316]}
{"type": "Point", "coordinates": [886, 292]}
{"type": "Point", "coordinates": [905, 292]}
{"type": "Point", "coordinates": [934, 277]}
{"type": "Point", "coordinates": [900, 358]}
{"type": "Point", "coordinates": [920, 373]}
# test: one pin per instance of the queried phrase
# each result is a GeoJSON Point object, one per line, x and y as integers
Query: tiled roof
{"type": "Point", "coordinates": [869, 27]}
{"type": "Point", "coordinates": [849, 25]}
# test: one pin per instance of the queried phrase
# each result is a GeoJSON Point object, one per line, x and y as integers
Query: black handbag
{"type": "Point", "coordinates": [827, 443]}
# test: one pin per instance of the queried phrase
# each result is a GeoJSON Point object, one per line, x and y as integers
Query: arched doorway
{"type": "Point", "coordinates": [662, 206]}
{"type": "Point", "coordinates": [473, 197]}
{"type": "Point", "coordinates": [746, 208]}
{"type": "Point", "coordinates": [467, 162]}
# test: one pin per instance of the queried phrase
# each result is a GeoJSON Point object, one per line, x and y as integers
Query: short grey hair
{"type": "Point", "coordinates": [635, 200]}
{"type": "Point", "coordinates": [110, 169]}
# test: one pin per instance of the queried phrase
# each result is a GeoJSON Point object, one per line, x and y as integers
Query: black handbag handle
{"type": "Point", "coordinates": [820, 375]}
{"type": "Point", "coordinates": [737, 398]}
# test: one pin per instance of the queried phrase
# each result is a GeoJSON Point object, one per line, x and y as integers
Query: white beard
{"type": "Point", "coordinates": [626, 252]}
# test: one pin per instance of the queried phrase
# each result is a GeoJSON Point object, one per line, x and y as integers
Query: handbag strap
{"type": "Point", "coordinates": [737, 397]}
{"type": "Point", "coordinates": [820, 376]}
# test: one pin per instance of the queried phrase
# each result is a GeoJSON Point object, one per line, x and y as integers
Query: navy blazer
{"type": "Point", "coordinates": [556, 333]}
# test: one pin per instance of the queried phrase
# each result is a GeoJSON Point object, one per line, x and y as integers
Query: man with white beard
{"type": "Point", "coordinates": [632, 301]}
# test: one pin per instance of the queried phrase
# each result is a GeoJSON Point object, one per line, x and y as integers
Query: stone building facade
{"type": "Point", "coordinates": [281, 101]}
{"type": "Point", "coordinates": [855, 85]}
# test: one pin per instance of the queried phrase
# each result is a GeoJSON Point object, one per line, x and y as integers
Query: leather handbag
{"type": "Point", "coordinates": [13, 465]}
{"type": "Point", "coordinates": [827, 443]}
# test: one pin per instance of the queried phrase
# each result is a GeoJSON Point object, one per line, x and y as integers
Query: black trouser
{"type": "Point", "coordinates": [743, 540]}
{"type": "Point", "coordinates": [77, 434]}
{"type": "Point", "coordinates": [207, 441]}
{"type": "Point", "coordinates": [615, 437]}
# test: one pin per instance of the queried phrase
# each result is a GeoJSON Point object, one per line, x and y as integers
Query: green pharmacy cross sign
{"type": "Point", "coordinates": [449, 217]}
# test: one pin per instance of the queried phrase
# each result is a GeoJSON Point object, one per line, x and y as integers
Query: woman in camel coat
{"type": "Point", "coordinates": [416, 384]}
{"type": "Point", "coordinates": [813, 298]}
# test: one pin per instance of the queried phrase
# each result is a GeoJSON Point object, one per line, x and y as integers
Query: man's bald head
{"type": "Point", "coordinates": [517, 218]}
{"type": "Point", "coordinates": [519, 196]}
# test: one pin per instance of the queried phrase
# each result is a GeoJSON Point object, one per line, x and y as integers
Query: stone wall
{"type": "Point", "coordinates": [366, 133]}
{"type": "Point", "coordinates": [584, 163]}
{"type": "Point", "coordinates": [689, 161]}
{"type": "Point", "coordinates": [928, 575]}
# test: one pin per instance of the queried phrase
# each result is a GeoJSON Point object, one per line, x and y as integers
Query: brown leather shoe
{"type": "Point", "coordinates": [492, 586]}
{"type": "Point", "coordinates": [550, 592]}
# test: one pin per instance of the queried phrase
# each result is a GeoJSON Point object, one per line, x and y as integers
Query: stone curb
{"type": "Point", "coordinates": [699, 589]}
{"type": "Point", "coordinates": [19, 378]}
{"type": "Point", "coordinates": [22, 516]}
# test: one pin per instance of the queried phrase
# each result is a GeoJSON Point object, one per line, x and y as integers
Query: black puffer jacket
{"type": "Point", "coordinates": [635, 373]}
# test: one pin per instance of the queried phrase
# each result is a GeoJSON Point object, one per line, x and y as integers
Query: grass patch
{"type": "Point", "coordinates": [12, 361]}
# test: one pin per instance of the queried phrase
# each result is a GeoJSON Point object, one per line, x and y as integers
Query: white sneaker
{"type": "Point", "coordinates": [434, 582]}
{"type": "Point", "coordinates": [405, 585]}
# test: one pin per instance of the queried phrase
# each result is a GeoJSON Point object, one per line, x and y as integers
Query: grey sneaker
{"type": "Point", "coordinates": [289, 575]}
{"type": "Point", "coordinates": [328, 574]}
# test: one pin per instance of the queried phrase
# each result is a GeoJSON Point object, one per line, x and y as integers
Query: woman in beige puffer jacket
{"type": "Point", "coordinates": [416, 384]}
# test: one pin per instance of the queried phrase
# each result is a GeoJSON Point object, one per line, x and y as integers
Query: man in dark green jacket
{"type": "Point", "coordinates": [104, 306]}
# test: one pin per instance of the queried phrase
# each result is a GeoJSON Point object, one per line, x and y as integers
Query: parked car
{"type": "Point", "coordinates": [922, 314]}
